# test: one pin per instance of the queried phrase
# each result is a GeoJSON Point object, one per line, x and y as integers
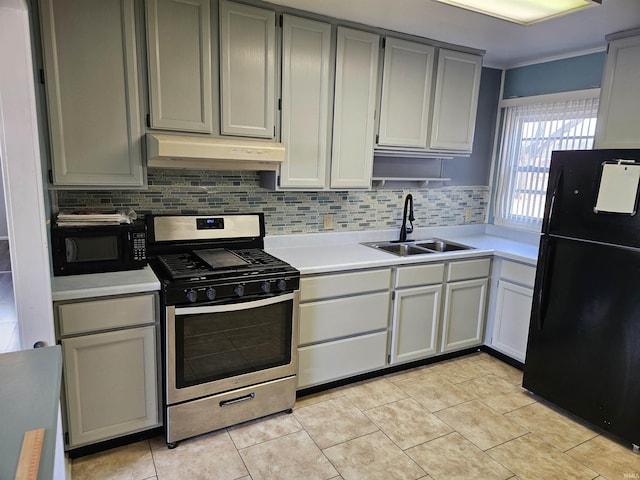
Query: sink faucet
{"type": "Point", "coordinates": [408, 202]}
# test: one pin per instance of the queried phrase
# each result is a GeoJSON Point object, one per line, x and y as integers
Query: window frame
{"type": "Point", "coordinates": [499, 170]}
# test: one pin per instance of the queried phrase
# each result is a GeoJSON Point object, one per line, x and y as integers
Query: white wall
{"type": "Point", "coordinates": [3, 209]}
{"type": "Point", "coordinates": [21, 169]}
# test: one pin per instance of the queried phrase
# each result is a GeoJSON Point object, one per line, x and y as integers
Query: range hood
{"type": "Point", "coordinates": [208, 153]}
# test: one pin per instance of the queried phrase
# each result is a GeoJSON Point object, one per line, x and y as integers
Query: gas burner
{"type": "Point", "coordinates": [203, 260]}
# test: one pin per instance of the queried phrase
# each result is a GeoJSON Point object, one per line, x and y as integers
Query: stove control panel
{"type": "Point", "coordinates": [205, 292]}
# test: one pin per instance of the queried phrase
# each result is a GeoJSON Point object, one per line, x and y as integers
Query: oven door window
{"type": "Point", "coordinates": [91, 249]}
{"type": "Point", "coordinates": [213, 346]}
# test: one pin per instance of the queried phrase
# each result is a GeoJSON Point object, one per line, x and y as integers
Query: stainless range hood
{"type": "Point", "coordinates": [208, 153]}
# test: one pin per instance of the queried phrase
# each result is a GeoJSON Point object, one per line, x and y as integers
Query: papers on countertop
{"type": "Point", "coordinates": [89, 218]}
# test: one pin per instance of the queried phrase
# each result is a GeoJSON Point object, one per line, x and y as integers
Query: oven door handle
{"type": "Point", "coordinates": [232, 401]}
{"type": "Point", "coordinates": [233, 307]}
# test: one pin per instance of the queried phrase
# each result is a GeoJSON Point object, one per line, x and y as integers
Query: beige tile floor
{"type": "Point", "coordinates": [462, 419]}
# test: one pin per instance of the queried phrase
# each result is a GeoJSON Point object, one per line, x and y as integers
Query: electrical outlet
{"type": "Point", "coordinates": [468, 214]}
{"type": "Point", "coordinates": [328, 222]}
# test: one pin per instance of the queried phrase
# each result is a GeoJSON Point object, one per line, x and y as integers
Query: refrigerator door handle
{"type": "Point", "coordinates": [542, 299]}
{"type": "Point", "coordinates": [549, 207]}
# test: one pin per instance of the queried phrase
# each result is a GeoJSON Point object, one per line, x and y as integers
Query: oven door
{"type": "Point", "coordinates": [216, 348]}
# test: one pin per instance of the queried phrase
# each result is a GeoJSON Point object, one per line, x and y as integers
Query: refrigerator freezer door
{"type": "Point", "coordinates": [583, 352]}
{"type": "Point", "coordinates": [572, 194]}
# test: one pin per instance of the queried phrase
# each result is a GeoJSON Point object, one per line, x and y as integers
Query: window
{"type": "Point", "coordinates": [530, 132]}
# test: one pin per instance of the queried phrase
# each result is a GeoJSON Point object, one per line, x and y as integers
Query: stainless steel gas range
{"type": "Point", "coordinates": [229, 321]}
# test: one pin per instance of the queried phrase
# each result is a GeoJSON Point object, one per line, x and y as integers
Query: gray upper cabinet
{"type": "Point", "coordinates": [405, 107]}
{"type": "Point", "coordinates": [618, 123]}
{"type": "Point", "coordinates": [91, 76]}
{"type": "Point", "coordinates": [455, 101]}
{"type": "Point", "coordinates": [179, 61]}
{"type": "Point", "coordinates": [354, 108]}
{"type": "Point", "coordinates": [247, 70]}
{"type": "Point", "coordinates": [306, 89]}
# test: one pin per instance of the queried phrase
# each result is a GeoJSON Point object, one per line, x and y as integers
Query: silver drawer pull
{"type": "Point", "coordinates": [243, 398]}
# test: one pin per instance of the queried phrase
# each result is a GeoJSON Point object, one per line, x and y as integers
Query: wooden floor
{"type": "Point", "coordinates": [9, 340]}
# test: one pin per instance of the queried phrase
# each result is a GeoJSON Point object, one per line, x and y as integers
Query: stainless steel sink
{"type": "Point", "coordinates": [441, 245]}
{"type": "Point", "coordinates": [402, 249]}
{"type": "Point", "coordinates": [418, 247]}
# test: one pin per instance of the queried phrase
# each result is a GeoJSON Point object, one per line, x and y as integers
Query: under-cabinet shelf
{"type": "Point", "coordinates": [421, 182]}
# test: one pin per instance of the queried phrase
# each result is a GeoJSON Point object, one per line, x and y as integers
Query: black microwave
{"type": "Point", "coordinates": [94, 249]}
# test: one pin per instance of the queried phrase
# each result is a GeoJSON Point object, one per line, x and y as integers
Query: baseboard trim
{"type": "Point", "coordinates": [501, 356]}
{"type": "Point", "coordinates": [303, 392]}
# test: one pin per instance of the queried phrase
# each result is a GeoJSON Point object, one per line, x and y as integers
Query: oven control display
{"type": "Point", "coordinates": [210, 223]}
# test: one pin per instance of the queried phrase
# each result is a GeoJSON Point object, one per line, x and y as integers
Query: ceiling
{"type": "Point", "coordinates": [507, 44]}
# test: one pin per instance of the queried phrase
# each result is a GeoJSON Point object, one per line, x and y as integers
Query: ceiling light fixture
{"type": "Point", "coordinates": [523, 12]}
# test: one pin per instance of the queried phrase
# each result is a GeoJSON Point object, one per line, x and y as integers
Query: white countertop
{"type": "Point", "coordinates": [73, 287]}
{"type": "Point", "coordinates": [322, 253]}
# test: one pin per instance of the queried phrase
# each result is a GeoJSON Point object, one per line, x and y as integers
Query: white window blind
{"type": "Point", "coordinates": [530, 132]}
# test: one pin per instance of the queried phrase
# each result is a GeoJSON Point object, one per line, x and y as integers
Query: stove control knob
{"type": "Point", "coordinates": [282, 285]}
{"type": "Point", "coordinates": [239, 290]}
{"type": "Point", "coordinates": [211, 293]}
{"type": "Point", "coordinates": [266, 287]}
{"type": "Point", "coordinates": [192, 296]}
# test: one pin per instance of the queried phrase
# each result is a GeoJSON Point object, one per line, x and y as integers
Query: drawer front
{"type": "Point", "coordinates": [342, 317]}
{"type": "Point", "coordinates": [518, 273]}
{"type": "Point", "coordinates": [468, 269]}
{"type": "Point", "coordinates": [95, 315]}
{"type": "Point", "coordinates": [334, 360]}
{"type": "Point", "coordinates": [417, 275]}
{"type": "Point", "coordinates": [187, 419]}
{"type": "Point", "coordinates": [342, 284]}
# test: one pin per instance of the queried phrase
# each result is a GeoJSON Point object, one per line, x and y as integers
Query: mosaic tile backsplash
{"type": "Point", "coordinates": [214, 192]}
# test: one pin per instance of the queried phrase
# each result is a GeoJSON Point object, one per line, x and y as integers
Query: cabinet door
{"type": "Point", "coordinates": [415, 323]}
{"type": "Point", "coordinates": [464, 312]}
{"type": "Point", "coordinates": [179, 57]}
{"type": "Point", "coordinates": [618, 124]}
{"type": "Point", "coordinates": [247, 70]}
{"type": "Point", "coordinates": [456, 100]}
{"type": "Point", "coordinates": [406, 94]}
{"type": "Point", "coordinates": [511, 323]}
{"type": "Point", "coordinates": [93, 101]}
{"type": "Point", "coordinates": [354, 109]}
{"type": "Point", "coordinates": [110, 384]}
{"type": "Point", "coordinates": [305, 102]}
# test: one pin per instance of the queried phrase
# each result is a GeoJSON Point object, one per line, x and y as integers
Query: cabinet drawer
{"type": "Point", "coordinates": [342, 284]}
{"type": "Point", "coordinates": [334, 360]}
{"type": "Point", "coordinates": [518, 273]}
{"type": "Point", "coordinates": [468, 269]}
{"type": "Point", "coordinates": [335, 318]}
{"type": "Point", "coordinates": [94, 315]}
{"type": "Point", "coordinates": [417, 275]}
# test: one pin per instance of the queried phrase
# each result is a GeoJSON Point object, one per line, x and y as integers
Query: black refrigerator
{"type": "Point", "coordinates": [583, 351]}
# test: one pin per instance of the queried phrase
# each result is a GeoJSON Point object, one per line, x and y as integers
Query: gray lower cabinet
{"type": "Point", "coordinates": [344, 319]}
{"type": "Point", "coordinates": [512, 308]}
{"type": "Point", "coordinates": [93, 102]}
{"type": "Point", "coordinates": [179, 62]}
{"type": "Point", "coordinates": [438, 308]}
{"type": "Point", "coordinates": [416, 312]}
{"type": "Point", "coordinates": [464, 308]}
{"type": "Point", "coordinates": [110, 367]}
